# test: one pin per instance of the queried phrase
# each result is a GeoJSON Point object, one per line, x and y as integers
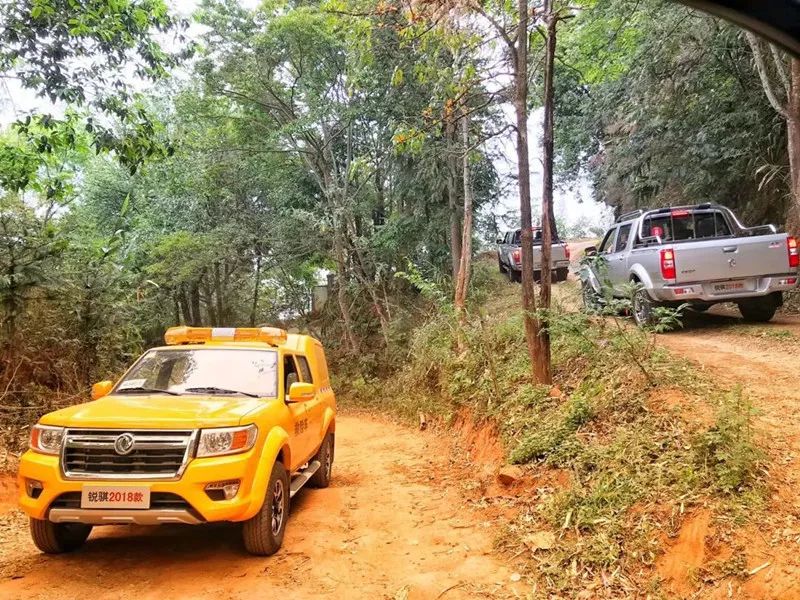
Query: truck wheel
{"type": "Point", "coordinates": [643, 307]}
{"type": "Point", "coordinates": [759, 310]}
{"type": "Point", "coordinates": [500, 264]}
{"type": "Point", "coordinates": [55, 538]}
{"type": "Point", "coordinates": [514, 276]}
{"type": "Point", "coordinates": [263, 534]}
{"type": "Point", "coordinates": [562, 274]}
{"type": "Point", "coordinates": [322, 478]}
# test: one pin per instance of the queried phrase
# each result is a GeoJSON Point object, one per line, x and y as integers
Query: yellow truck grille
{"type": "Point", "coordinates": [126, 454]}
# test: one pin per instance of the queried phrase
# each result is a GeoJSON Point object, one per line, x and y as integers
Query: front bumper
{"type": "Point", "coordinates": [714, 291]}
{"type": "Point", "coordinates": [190, 487]}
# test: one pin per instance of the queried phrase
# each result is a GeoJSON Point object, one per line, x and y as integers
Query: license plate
{"type": "Point", "coordinates": [730, 286]}
{"type": "Point", "coordinates": [107, 496]}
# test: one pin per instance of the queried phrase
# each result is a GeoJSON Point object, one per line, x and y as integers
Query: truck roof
{"type": "Point", "coordinates": [634, 214]}
{"type": "Point", "coordinates": [247, 337]}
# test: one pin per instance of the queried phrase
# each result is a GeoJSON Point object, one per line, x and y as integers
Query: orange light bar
{"type": "Point", "coordinates": [200, 335]}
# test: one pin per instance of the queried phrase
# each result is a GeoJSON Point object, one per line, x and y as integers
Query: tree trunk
{"type": "Point", "coordinates": [465, 266]}
{"type": "Point", "coordinates": [456, 242]}
{"type": "Point", "coordinates": [194, 303]}
{"type": "Point", "coordinates": [256, 290]}
{"type": "Point", "coordinates": [219, 296]}
{"type": "Point", "coordinates": [540, 362]}
{"type": "Point", "coordinates": [793, 132]}
{"type": "Point", "coordinates": [183, 300]}
{"type": "Point", "coordinates": [341, 289]}
{"type": "Point", "coordinates": [547, 177]}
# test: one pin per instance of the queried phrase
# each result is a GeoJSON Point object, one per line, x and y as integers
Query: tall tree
{"type": "Point", "coordinates": [780, 78]}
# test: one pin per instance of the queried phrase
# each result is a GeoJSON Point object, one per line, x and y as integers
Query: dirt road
{"type": "Point", "coordinates": [762, 359]}
{"type": "Point", "coordinates": [393, 524]}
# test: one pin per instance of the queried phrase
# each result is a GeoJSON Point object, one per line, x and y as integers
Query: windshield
{"type": "Point", "coordinates": [205, 370]}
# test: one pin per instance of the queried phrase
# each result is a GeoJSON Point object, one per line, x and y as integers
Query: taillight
{"type": "Point", "coordinates": [516, 256]}
{"type": "Point", "coordinates": [794, 257]}
{"type": "Point", "coordinates": [668, 264]}
{"type": "Point", "coordinates": [566, 251]}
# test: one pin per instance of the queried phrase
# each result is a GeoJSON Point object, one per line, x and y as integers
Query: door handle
{"type": "Point", "coordinates": [729, 249]}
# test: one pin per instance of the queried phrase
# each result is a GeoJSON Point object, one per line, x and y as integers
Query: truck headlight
{"type": "Point", "coordinates": [226, 440]}
{"type": "Point", "coordinates": [46, 439]}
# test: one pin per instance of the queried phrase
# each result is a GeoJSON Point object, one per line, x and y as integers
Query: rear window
{"type": "Point", "coordinates": [683, 225]}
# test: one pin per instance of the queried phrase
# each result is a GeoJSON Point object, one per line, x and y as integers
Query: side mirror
{"type": "Point", "coordinates": [500, 241]}
{"type": "Point", "coordinates": [302, 392]}
{"type": "Point", "coordinates": [101, 389]}
{"type": "Point", "coordinates": [590, 251]}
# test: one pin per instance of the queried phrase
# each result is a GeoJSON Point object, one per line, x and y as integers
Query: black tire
{"type": "Point", "coordinates": [642, 309]}
{"type": "Point", "coordinates": [263, 534]}
{"type": "Point", "coordinates": [701, 308]}
{"type": "Point", "coordinates": [515, 276]}
{"type": "Point", "coordinates": [500, 264]}
{"type": "Point", "coordinates": [537, 276]}
{"type": "Point", "coordinates": [322, 478]}
{"type": "Point", "coordinates": [759, 310]}
{"type": "Point", "coordinates": [562, 274]}
{"type": "Point", "coordinates": [57, 538]}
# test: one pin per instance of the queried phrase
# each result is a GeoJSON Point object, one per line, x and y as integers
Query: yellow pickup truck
{"type": "Point", "coordinates": [221, 424]}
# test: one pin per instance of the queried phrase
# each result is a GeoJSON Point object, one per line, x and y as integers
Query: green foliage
{"type": "Point", "coordinates": [729, 448]}
{"type": "Point", "coordinates": [661, 105]}
{"type": "Point", "coordinates": [81, 54]}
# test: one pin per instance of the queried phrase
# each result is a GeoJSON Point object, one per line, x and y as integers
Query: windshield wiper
{"type": "Point", "coordinates": [216, 390]}
{"type": "Point", "coordinates": [145, 390]}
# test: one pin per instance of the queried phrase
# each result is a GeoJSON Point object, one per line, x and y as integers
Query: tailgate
{"type": "Point", "coordinates": [557, 254]}
{"type": "Point", "coordinates": [732, 258]}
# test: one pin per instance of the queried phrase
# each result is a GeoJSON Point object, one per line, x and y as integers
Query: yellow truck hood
{"type": "Point", "coordinates": [156, 412]}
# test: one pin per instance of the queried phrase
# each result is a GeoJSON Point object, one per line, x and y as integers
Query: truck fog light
{"type": "Point", "coordinates": [223, 490]}
{"type": "Point", "coordinates": [34, 488]}
{"type": "Point", "coordinates": [789, 281]}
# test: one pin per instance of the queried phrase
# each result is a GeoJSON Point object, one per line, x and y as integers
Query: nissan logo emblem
{"type": "Point", "coordinates": [124, 444]}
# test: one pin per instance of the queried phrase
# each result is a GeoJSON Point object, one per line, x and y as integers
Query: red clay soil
{"type": "Point", "coordinates": [393, 524]}
{"type": "Point", "coordinates": [762, 360]}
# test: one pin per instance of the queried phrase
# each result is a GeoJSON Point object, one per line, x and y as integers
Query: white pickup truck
{"type": "Point", "coordinates": [509, 256]}
{"type": "Point", "coordinates": [700, 255]}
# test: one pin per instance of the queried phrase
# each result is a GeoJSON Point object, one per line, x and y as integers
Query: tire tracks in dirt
{"type": "Point", "coordinates": [393, 524]}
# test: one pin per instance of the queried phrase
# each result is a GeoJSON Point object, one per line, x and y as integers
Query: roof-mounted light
{"type": "Point", "coordinates": [273, 336]}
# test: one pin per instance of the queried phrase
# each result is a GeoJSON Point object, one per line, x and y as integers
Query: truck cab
{"type": "Point", "coordinates": [220, 424]}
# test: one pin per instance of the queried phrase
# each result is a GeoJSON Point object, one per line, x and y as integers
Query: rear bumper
{"type": "Point", "coordinates": [557, 264]}
{"type": "Point", "coordinates": [707, 292]}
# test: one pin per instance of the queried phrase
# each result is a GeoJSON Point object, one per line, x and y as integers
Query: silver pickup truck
{"type": "Point", "coordinates": [509, 256]}
{"type": "Point", "coordinates": [700, 255]}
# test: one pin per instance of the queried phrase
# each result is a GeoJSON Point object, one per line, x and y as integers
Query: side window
{"type": "Point", "coordinates": [507, 238]}
{"type": "Point", "coordinates": [517, 238]}
{"type": "Point", "coordinates": [290, 374]}
{"type": "Point", "coordinates": [622, 238]}
{"type": "Point", "coordinates": [608, 242]}
{"type": "Point", "coordinates": [321, 366]}
{"type": "Point", "coordinates": [305, 371]}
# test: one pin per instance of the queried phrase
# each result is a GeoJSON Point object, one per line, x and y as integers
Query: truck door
{"type": "Point", "coordinates": [315, 409]}
{"type": "Point", "coordinates": [299, 426]}
{"type": "Point", "coordinates": [618, 259]}
{"type": "Point", "coordinates": [606, 251]}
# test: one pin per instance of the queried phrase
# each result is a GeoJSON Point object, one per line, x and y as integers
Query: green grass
{"type": "Point", "coordinates": [634, 464]}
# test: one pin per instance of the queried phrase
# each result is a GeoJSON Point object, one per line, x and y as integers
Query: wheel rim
{"type": "Point", "coordinates": [640, 307]}
{"type": "Point", "coordinates": [277, 507]}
